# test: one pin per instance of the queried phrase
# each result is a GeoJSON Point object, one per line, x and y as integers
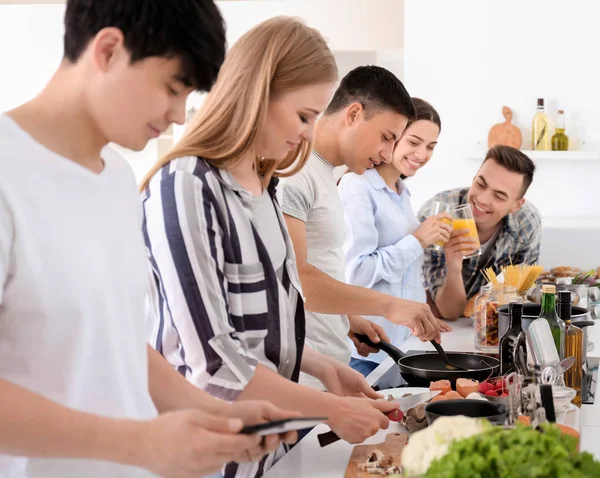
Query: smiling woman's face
{"type": "Point", "coordinates": [415, 148]}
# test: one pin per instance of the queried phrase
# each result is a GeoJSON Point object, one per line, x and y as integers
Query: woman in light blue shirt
{"type": "Point", "coordinates": [384, 240]}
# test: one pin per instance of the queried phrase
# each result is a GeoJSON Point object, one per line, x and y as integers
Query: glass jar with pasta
{"type": "Point", "coordinates": [486, 319]}
{"type": "Point", "coordinates": [480, 301]}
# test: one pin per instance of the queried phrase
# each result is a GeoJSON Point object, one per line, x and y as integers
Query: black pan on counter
{"type": "Point", "coordinates": [422, 368]}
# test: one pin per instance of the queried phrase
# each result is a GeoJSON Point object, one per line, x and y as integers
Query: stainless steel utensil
{"type": "Point", "coordinates": [540, 344]}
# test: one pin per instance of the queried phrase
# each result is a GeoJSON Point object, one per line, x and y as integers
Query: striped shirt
{"type": "Point", "coordinates": [518, 241]}
{"type": "Point", "coordinates": [218, 308]}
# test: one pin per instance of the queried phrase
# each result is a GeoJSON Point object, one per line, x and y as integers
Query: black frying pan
{"type": "Point", "coordinates": [421, 369]}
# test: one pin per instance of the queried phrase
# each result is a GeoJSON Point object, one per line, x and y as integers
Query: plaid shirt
{"type": "Point", "coordinates": [517, 242]}
{"type": "Point", "coordinates": [218, 307]}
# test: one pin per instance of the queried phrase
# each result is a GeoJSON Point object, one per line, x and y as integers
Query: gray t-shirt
{"type": "Point", "coordinates": [312, 197]}
{"type": "Point", "coordinates": [268, 227]}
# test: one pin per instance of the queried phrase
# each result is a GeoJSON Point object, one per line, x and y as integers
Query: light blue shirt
{"type": "Point", "coordinates": [381, 252]}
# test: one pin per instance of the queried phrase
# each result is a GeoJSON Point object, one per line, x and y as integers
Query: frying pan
{"type": "Point", "coordinates": [421, 369]}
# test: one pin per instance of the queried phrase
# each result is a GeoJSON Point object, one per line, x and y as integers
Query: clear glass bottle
{"type": "Point", "coordinates": [480, 299]}
{"type": "Point", "coordinates": [573, 345]}
{"type": "Point", "coordinates": [486, 324]}
{"type": "Point", "coordinates": [560, 141]}
{"type": "Point", "coordinates": [540, 129]}
{"type": "Point", "coordinates": [479, 316]}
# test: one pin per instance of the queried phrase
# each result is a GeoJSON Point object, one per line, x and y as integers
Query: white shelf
{"type": "Point", "coordinates": [548, 155]}
{"type": "Point", "coordinates": [573, 223]}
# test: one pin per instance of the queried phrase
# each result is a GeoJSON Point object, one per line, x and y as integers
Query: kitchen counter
{"type": "Point", "coordinates": [309, 460]}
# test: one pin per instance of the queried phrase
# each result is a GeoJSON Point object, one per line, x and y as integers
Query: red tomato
{"type": "Point", "coordinates": [395, 416]}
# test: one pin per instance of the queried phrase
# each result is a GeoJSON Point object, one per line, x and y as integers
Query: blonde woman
{"type": "Point", "coordinates": [229, 307]}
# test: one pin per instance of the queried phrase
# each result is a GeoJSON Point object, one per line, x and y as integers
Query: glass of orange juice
{"type": "Point", "coordinates": [434, 209]}
{"type": "Point", "coordinates": [463, 219]}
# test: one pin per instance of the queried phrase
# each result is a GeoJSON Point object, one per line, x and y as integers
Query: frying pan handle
{"type": "Point", "coordinates": [583, 323]}
{"type": "Point", "coordinates": [384, 346]}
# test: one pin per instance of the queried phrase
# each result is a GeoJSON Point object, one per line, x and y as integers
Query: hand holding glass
{"type": "Point", "coordinates": [463, 219]}
{"type": "Point", "coordinates": [436, 208]}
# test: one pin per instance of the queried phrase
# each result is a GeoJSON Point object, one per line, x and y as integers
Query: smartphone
{"type": "Point", "coordinates": [281, 426]}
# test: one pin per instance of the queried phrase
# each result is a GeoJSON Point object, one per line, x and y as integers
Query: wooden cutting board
{"type": "Point", "coordinates": [393, 445]}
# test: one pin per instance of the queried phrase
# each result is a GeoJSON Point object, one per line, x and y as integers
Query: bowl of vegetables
{"type": "Point", "coordinates": [494, 390]}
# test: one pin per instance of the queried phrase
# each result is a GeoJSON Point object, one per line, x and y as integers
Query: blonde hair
{"type": "Point", "coordinates": [278, 55]}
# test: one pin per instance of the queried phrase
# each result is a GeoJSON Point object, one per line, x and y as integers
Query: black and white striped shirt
{"type": "Point", "coordinates": [218, 307]}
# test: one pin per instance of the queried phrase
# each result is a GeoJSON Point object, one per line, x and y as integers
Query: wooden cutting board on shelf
{"type": "Point", "coordinates": [393, 446]}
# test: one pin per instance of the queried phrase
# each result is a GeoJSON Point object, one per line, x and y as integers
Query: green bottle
{"type": "Point", "coordinates": [557, 326]}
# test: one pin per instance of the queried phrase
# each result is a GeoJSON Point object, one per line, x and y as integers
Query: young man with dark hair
{"type": "Point", "coordinates": [509, 228]}
{"type": "Point", "coordinates": [376, 89]}
{"type": "Point", "coordinates": [366, 117]}
{"type": "Point", "coordinates": [81, 391]}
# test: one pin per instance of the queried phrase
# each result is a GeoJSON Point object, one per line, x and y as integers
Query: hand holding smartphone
{"type": "Point", "coordinates": [282, 426]}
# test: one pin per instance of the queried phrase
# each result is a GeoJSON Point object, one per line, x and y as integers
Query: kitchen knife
{"type": "Point", "coordinates": [405, 404]}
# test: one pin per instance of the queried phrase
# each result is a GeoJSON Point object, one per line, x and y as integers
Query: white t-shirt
{"type": "Point", "coordinates": [486, 245]}
{"type": "Point", "coordinates": [73, 285]}
{"type": "Point", "coordinates": [312, 197]}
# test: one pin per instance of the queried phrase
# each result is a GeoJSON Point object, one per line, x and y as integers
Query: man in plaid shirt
{"type": "Point", "coordinates": [509, 227]}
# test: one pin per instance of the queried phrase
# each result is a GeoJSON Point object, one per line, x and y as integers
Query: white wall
{"type": "Point", "coordinates": [30, 50]}
{"type": "Point", "coordinates": [471, 57]}
{"type": "Point", "coordinates": [358, 25]}
{"type": "Point", "coordinates": [354, 24]}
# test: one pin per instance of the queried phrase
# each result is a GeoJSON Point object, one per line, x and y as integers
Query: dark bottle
{"type": "Point", "coordinates": [508, 340]}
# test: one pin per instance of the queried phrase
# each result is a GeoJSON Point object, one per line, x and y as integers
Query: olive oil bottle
{"type": "Point", "coordinates": [573, 345]}
{"type": "Point", "coordinates": [560, 141]}
{"type": "Point", "coordinates": [540, 129]}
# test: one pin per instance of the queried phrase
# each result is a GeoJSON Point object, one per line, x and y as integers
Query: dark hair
{"type": "Point", "coordinates": [191, 30]}
{"type": "Point", "coordinates": [375, 88]}
{"type": "Point", "coordinates": [424, 111]}
{"type": "Point", "coordinates": [515, 161]}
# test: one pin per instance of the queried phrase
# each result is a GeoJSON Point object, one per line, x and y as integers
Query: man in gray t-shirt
{"type": "Point", "coordinates": [311, 197]}
{"type": "Point", "coordinates": [359, 129]}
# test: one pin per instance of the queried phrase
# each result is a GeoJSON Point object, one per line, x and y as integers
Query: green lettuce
{"type": "Point", "coordinates": [521, 452]}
